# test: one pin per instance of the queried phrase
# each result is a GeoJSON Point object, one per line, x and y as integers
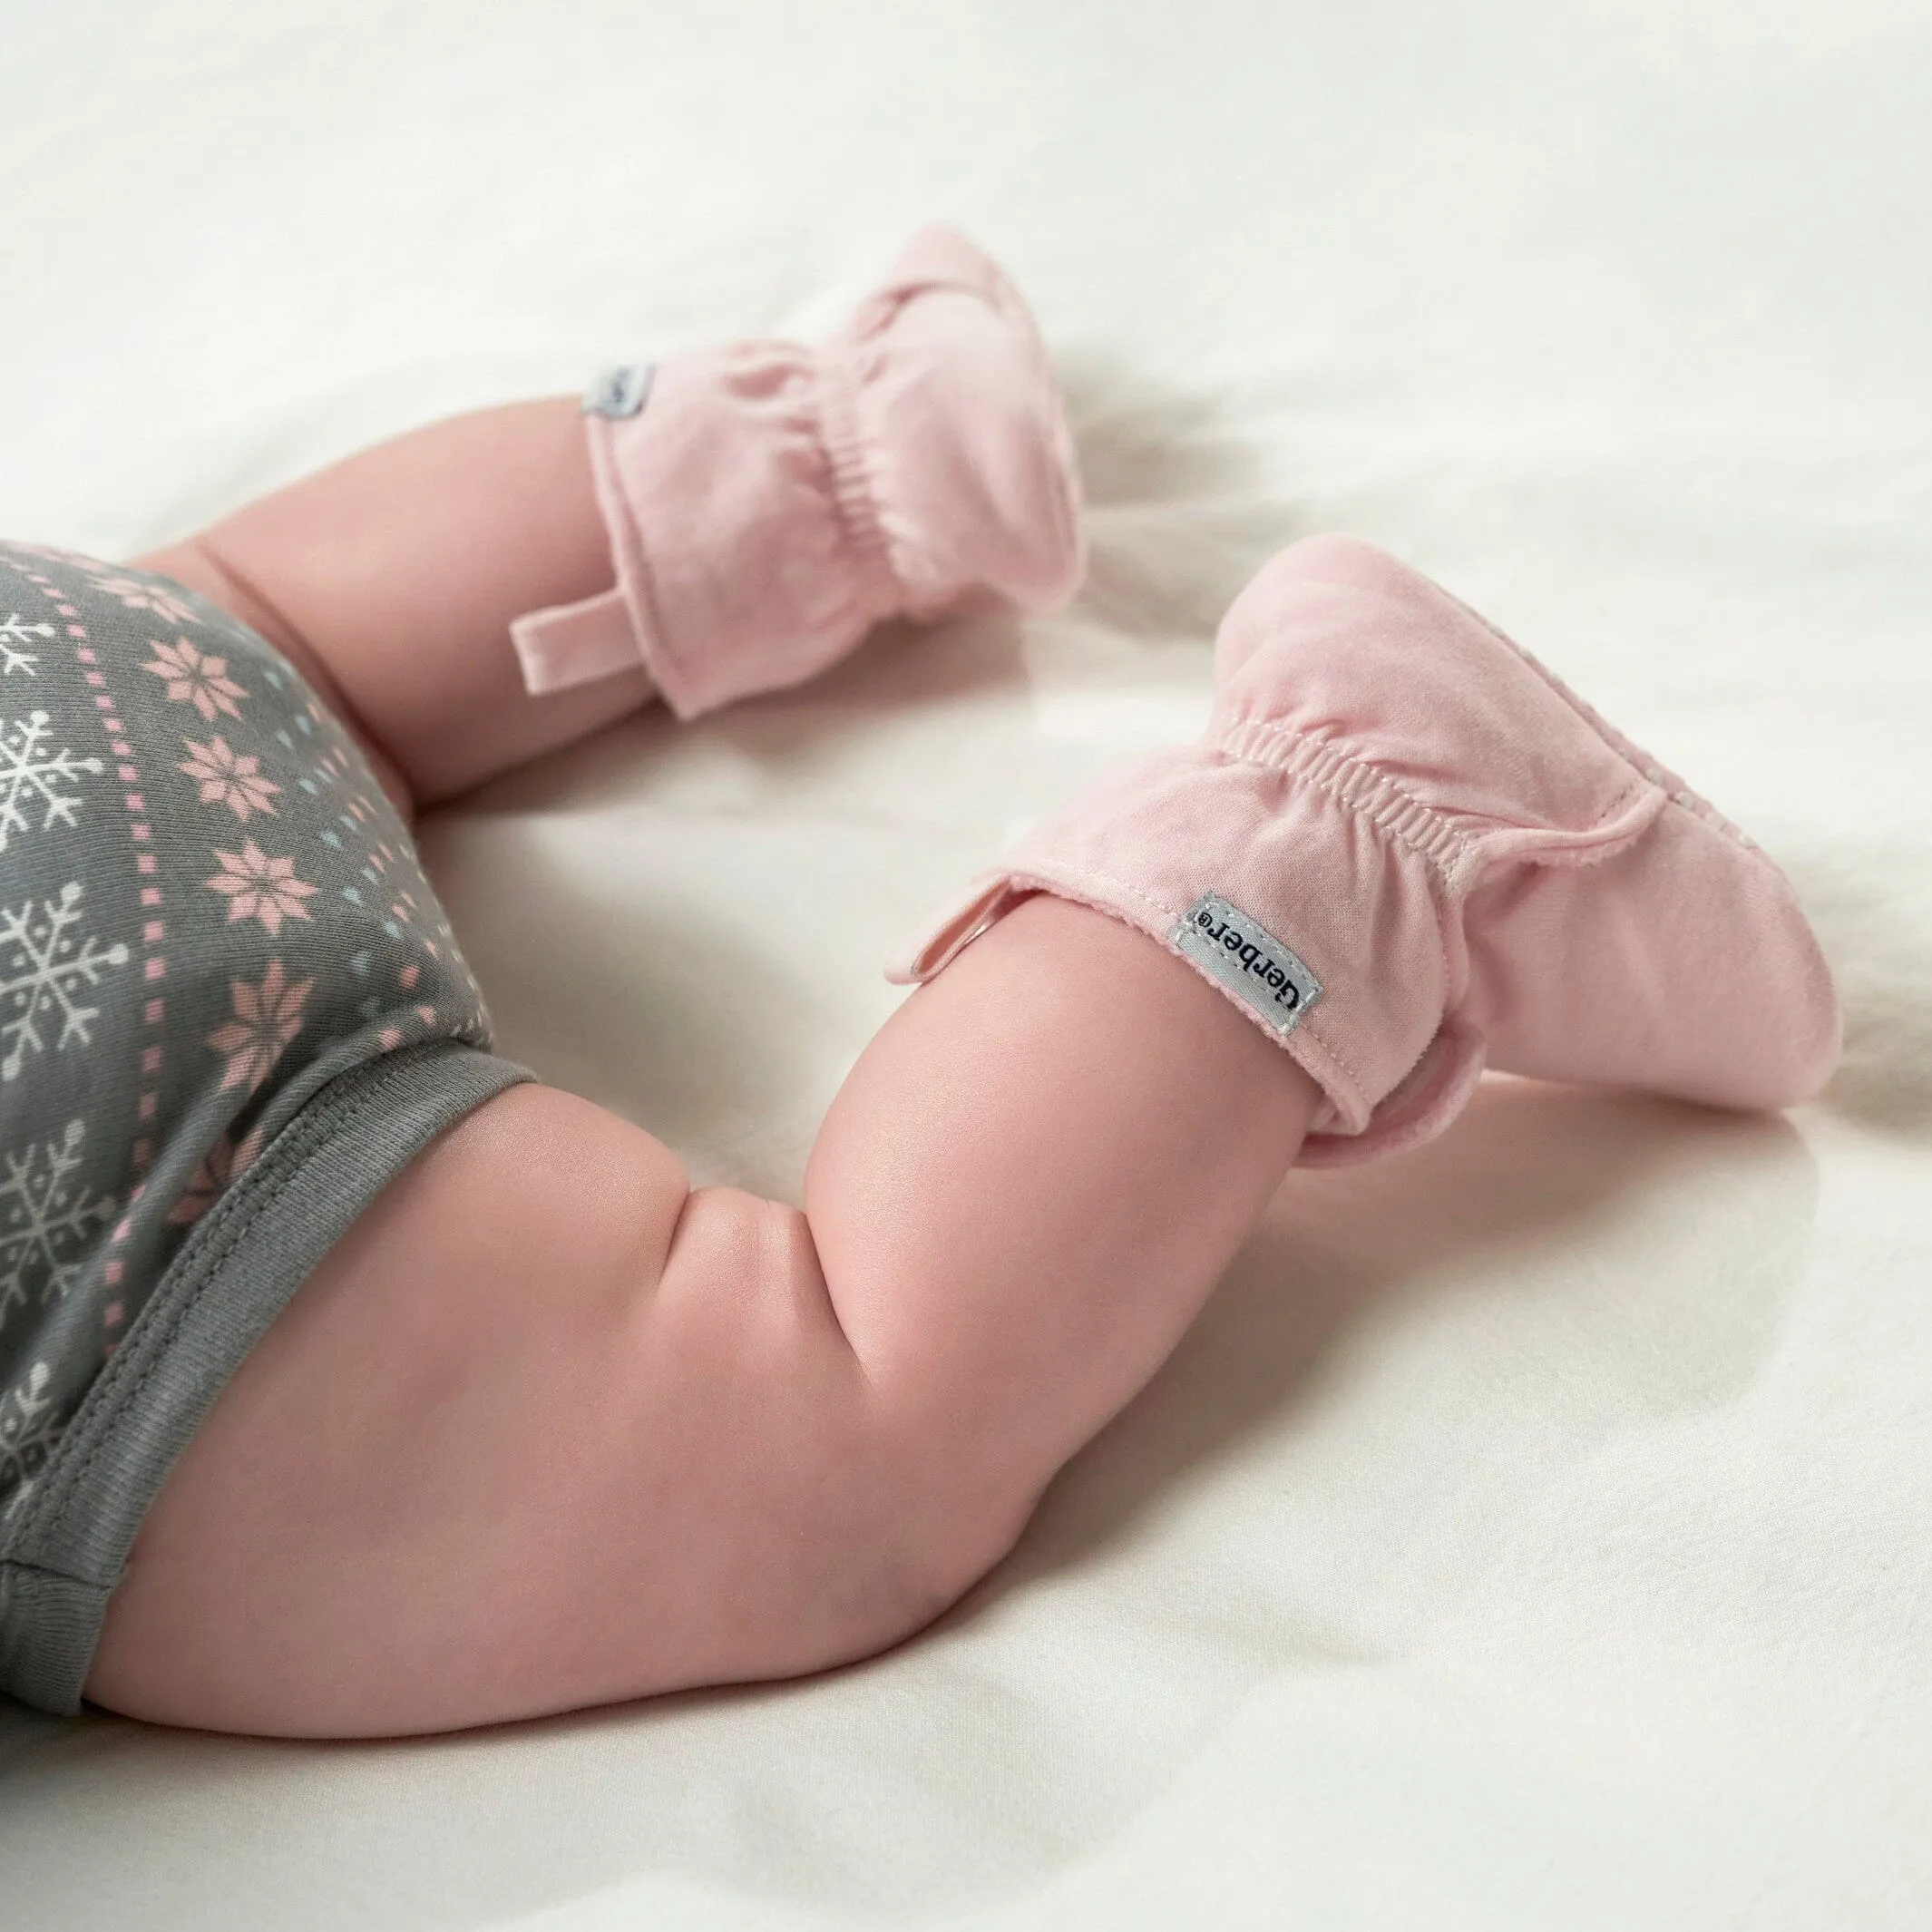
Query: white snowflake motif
{"type": "Point", "coordinates": [29, 1421]}
{"type": "Point", "coordinates": [45, 966]}
{"type": "Point", "coordinates": [29, 771]}
{"type": "Point", "coordinates": [14, 635]}
{"type": "Point", "coordinates": [45, 1219]}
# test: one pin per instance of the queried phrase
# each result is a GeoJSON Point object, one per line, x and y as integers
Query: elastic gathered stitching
{"type": "Point", "coordinates": [116, 1394]}
{"type": "Point", "coordinates": [1647, 768]}
{"type": "Point", "coordinates": [1365, 790]}
{"type": "Point", "coordinates": [1390, 807]}
{"type": "Point", "coordinates": [855, 494]}
{"type": "Point", "coordinates": [1312, 761]}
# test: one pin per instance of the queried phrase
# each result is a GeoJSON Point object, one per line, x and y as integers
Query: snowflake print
{"type": "Point", "coordinates": [266, 1018]}
{"type": "Point", "coordinates": [259, 887]}
{"type": "Point", "coordinates": [141, 594]}
{"type": "Point", "coordinates": [31, 772]}
{"type": "Point", "coordinates": [29, 1421]}
{"type": "Point", "coordinates": [228, 777]}
{"type": "Point", "coordinates": [45, 967]}
{"type": "Point", "coordinates": [197, 677]}
{"type": "Point", "coordinates": [15, 636]}
{"type": "Point", "coordinates": [45, 1219]}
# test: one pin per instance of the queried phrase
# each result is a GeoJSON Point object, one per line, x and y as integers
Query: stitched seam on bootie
{"type": "Point", "coordinates": [1627, 750]}
{"type": "Point", "coordinates": [1632, 754]}
{"type": "Point", "coordinates": [1403, 818]}
{"type": "Point", "coordinates": [855, 496]}
{"type": "Point", "coordinates": [1358, 788]}
{"type": "Point", "coordinates": [1350, 781]}
{"type": "Point", "coordinates": [1455, 856]}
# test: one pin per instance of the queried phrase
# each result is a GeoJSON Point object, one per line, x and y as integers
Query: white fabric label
{"type": "Point", "coordinates": [618, 393]}
{"type": "Point", "coordinates": [1247, 959]}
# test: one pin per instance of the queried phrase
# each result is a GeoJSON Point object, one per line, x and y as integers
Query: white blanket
{"type": "Point", "coordinates": [1536, 1532]}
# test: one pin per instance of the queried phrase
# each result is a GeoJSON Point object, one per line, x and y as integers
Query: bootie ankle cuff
{"type": "Point", "coordinates": [1302, 888]}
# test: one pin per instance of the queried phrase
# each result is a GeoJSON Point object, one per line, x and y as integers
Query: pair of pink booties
{"type": "Point", "coordinates": [1402, 849]}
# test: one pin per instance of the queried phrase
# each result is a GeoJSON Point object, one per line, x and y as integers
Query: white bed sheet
{"type": "Point", "coordinates": [1536, 1530]}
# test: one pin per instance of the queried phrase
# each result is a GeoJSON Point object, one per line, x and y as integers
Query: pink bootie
{"type": "Point", "coordinates": [1406, 851]}
{"type": "Point", "coordinates": [768, 503]}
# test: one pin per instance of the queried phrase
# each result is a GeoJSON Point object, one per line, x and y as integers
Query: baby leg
{"type": "Point", "coordinates": [759, 507]}
{"type": "Point", "coordinates": [546, 1429]}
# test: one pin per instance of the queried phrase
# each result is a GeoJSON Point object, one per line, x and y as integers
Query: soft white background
{"type": "Point", "coordinates": [1537, 1531]}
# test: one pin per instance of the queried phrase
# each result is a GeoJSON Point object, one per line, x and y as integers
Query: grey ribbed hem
{"type": "Point", "coordinates": [234, 1275]}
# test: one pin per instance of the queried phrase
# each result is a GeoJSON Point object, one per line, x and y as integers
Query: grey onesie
{"type": "Point", "coordinates": [230, 1011]}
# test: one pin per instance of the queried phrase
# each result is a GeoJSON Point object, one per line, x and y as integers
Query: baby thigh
{"type": "Point", "coordinates": [546, 1429]}
{"type": "Point", "coordinates": [543, 1430]}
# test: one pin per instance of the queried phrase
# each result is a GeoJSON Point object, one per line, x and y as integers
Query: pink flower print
{"type": "Point", "coordinates": [210, 1176]}
{"type": "Point", "coordinates": [228, 777]}
{"type": "Point", "coordinates": [266, 1018]}
{"type": "Point", "coordinates": [224, 1162]}
{"type": "Point", "coordinates": [139, 596]}
{"type": "Point", "coordinates": [259, 887]}
{"type": "Point", "coordinates": [195, 675]}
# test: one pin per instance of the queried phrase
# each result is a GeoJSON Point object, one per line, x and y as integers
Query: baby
{"type": "Point", "coordinates": [353, 1383]}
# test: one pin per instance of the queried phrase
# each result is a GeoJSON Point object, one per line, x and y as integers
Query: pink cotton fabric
{"type": "Point", "coordinates": [1476, 867]}
{"type": "Point", "coordinates": [771, 503]}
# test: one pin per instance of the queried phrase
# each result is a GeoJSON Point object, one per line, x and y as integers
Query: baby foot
{"type": "Point", "coordinates": [1408, 852]}
{"type": "Point", "coordinates": [768, 503]}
